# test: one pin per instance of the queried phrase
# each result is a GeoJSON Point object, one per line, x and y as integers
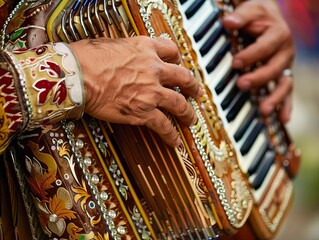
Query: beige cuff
{"type": "Point", "coordinates": [51, 83]}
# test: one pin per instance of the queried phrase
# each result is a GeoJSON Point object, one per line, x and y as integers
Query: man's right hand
{"type": "Point", "coordinates": [130, 81]}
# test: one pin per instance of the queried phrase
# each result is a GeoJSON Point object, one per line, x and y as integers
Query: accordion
{"type": "Point", "coordinates": [230, 177]}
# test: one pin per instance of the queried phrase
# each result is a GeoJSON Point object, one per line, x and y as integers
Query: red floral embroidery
{"type": "Point", "coordinates": [60, 93]}
{"type": "Point", "coordinates": [52, 69]}
{"type": "Point", "coordinates": [44, 87]}
{"type": "Point", "coordinates": [40, 50]}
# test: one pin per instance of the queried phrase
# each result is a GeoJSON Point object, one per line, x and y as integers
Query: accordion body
{"type": "Point", "coordinates": [102, 180]}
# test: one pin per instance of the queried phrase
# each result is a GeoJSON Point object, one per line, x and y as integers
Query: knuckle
{"type": "Point", "coordinates": [144, 39]}
{"type": "Point", "coordinates": [186, 77]}
{"type": "Point", "coordinates": [144, 42]}
{"type": "Point", "coordinates": [167, 127]}
{"type": "Point", "coordinates": [142, 107]}
{"type": "Point", "coordinates": [173, 48]}
{"type": "Point", "coordinates": [277, 70]}
{"type": "Point", "coordinates": [189, 80]}
{"type": "Point", "coordinates": [265, 51]}
{"type": "Point", "coordinates": [158, 68]}
{"type": "Point", "coordinates": [154, 67]}
{"type": "Point", "coordinates": [286, 33]}
{"type": "Point", "coordinates": [160, 124]}
{"type": "Point", "coordinates": [182, 106]}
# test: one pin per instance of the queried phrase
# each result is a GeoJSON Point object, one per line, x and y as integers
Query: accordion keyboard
{"type": "Point", "coordinates": [237, 109]}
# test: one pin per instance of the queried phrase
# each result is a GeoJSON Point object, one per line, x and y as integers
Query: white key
{"type": "Point", "coordinates": [234, 125]}
{"type": "Point", "coordinates": [260, 191]}
{"type": "Point", "coordinates": [196, 21]}
{"type": "Point", "coordinates": [183, 7]}
{"type": "Point", "coordinates": [251, 155]}
{"type": "Point", "coordinates": [224, 93]}
{"type": "Point", "coordinates": [201, 42]}
{"type": "Point", "coordinates": [220, 71]}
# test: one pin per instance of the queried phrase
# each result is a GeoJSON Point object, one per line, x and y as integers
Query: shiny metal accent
{"type": "Point", "coordinates": [70, 23]}
{"type": "Point", "coordinates": [90, 21]}
{"type": "Point", "coordinates": [63, 26]}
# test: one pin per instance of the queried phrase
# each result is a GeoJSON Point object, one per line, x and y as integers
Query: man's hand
{"type": "Point", "coordinates": [130, 81]}
{"type": "Point", "coordinates": [273, 47]}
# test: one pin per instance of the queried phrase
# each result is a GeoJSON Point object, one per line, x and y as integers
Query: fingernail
{"type": "Point", "coordinates": [237, 63]}
{"type": "Point", "coordinates": [199, 92]}
{"type": "Point", "coordinates": [244, 84]}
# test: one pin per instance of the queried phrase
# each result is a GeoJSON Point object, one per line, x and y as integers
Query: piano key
{"type": "Point", "coordinates": [258, 193]}
{"type": "Point", "coordinates": [241, 116]}
{"type": "Point", "coordinates": [266, 163]}
{"type": "Point", "coordinates": [249, 141]}
{"type": "Point", "coordinates": [219, 55]}
{"type": "Point", "coordinates": [222, 68]}
{"type": "Point", "coordinates": [214, 79]}
{"type": "Point", "coordinates": [192, 25]}
{"type": "Point", "coordinates": [194, 8]}
{"type": "Point", "coordinates": [256, 162]}
{"type": "Point", "coordinates": [209, 22]}
{"type": "Point", "coordinates": [225, 80]}
{"type": "Point", "coordinates": [182, 8]}
{"type": "Point", "coordinates": [247, 160]}
{"type": "Point", "coordinates": [237, 103]}
{"type": "Point", "coordinates": [212, 39]}
{"type": "Point", "coordinates": [206, 59]}
{"type": "Point", "coordinates": [229, 97]}
{"type": "Point", "coordinates": [245, 123]}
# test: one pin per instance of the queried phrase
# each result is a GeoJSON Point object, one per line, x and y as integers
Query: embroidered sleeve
{"type": "Point", "coordinates": [38, 86]}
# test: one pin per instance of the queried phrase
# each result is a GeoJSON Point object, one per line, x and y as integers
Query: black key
{"type": "Point", "coordinates": [229, 97]}
{"type": "Point", "coordinates": [226, 79]}
{"type": "Point", "coordinates": [245, 124]}
{"type": "Point", "coordinates": [209, 22]}
{"type": "Point", "coordinates": [257, 160]}
{"type": "Point", "coordinates": [218, 57]}
{"type": "Point", "coordinates": [251, 138]}
{"type": "Point", "coordinates": [194, 8]}
{"type": "Point", "coordinates": [182, 1]}
{"type": "Point", "coordinates": [263, 169]}
{"type": "Point", "coordinates": [212, 39]}
{"type": "Point", "coordinates": [237, 105]}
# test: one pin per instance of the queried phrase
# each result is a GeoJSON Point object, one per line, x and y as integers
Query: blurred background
{"type": "Point", "coordinates": [303, 220]}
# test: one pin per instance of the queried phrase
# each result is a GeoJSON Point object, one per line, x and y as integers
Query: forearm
{"type": "Point", "coordinates": [38, 86]}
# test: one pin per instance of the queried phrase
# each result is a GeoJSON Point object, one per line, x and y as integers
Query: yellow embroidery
{"type": "Point", "coordinates": [4, 122]}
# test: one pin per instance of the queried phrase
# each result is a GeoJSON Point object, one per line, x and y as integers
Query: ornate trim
{"type": "Point", "coordinates": [204, 143]}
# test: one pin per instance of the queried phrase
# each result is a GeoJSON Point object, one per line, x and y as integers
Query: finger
{"type": "Point", "coordinates": [244, 14]}
{"type": "Point", "coordinates": [176, 104]}
{"type": "Point", "coordinates": [167, 50]}
{"type": "Point", "coordinates": [285, 110]}
{"type": "Point", "coordinates": [177, 76]}
{"type": "Point", "coordinates": [266, 45]}
{"type": "Point", "coordinates": [279, 94]}
{"type": "Point", "coordinates": [160, 124]}
{"type": "Point", "coordinates": [270, 71]}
